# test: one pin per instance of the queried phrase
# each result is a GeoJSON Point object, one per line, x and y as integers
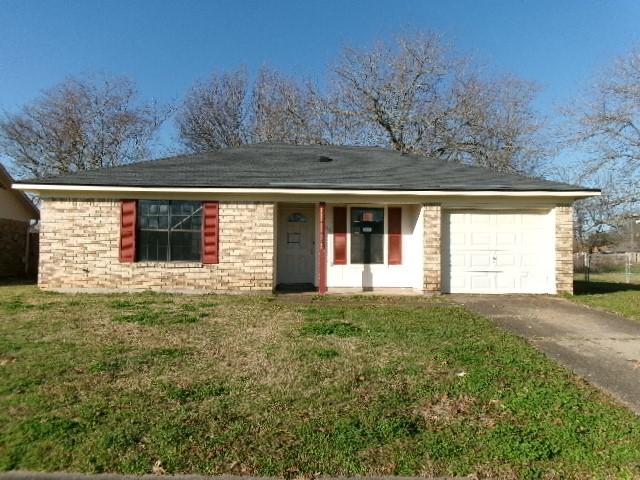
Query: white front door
{"type": "Point", "coordinates": [296, 245]}
{"type": "Point", "coordinates": [498, 252]}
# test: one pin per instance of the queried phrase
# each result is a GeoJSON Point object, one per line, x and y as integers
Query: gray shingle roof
{"type": "Point", "coordinates": [302, 167]}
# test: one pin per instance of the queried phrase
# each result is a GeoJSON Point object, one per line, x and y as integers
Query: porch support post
{"type": "Point", "coordinates": [564, 248]}
{"type": "Point", "coordinates": [322, 253]}
{"type": "Point", "coordinates": [432, 256]}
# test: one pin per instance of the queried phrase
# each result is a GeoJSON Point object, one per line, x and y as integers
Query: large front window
{"type": "Point", "coordinates": [169, 230]}
{"type": "Point", "coordinates": [367, 235]}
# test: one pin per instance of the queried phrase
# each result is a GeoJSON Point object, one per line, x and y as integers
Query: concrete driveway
{"type": "Point", "coordinates": [601, 347]}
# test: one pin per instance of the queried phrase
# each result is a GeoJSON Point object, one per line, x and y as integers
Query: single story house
{"type": "Point", "coordinates": [18, 251]}
{"type": "Point", "coordinates": [337, 218]}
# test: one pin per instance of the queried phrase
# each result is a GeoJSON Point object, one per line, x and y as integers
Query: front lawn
{"type": "Point", "coordinates": [268, 386]}
{"type": "Point", "coordinates": [610, 293]}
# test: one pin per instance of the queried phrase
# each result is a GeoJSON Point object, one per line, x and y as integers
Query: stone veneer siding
{"type": "Point", "coordinates": [79, 241]}
{"type": "Point", "coordinates": [432, 239]}
{"type": "Point", "coordinates": [564, 249]}
{"type": "Point", "coordinates": [13, 243]}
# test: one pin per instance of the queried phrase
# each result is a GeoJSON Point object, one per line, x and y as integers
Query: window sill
{"type": "Point", "coordinates": [171, 264]}
{"type": "Point", "coordinates": [363, 265]}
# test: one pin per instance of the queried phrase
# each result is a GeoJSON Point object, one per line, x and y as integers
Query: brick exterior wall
{"type": "Point", "coordinates": [564, 249]}
{"type": "Point", "coordinates": [79, 241]}
{"type": "Point", "coordinates": [13, 238]}
{"type": "Point", "coordinates": [432, 240]}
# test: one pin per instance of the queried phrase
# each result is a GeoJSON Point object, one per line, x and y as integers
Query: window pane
{"type": "Point", "coordinates": [186, 215]}
{"type": "Point", "coordinates": [367, 235]}
{"type": "Point", "coordinates": [153, 246]}
{"type": "Point", "coordinates": [185, 246]}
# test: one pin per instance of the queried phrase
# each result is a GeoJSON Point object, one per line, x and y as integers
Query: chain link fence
{"type": "Point", "coordinates": [607, 267]}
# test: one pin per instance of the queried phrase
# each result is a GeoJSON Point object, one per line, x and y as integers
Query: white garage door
{"type": "Point", "coordinates": [498, 252]}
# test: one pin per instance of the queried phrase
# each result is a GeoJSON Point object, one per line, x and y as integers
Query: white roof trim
{"type": "Point", "coordinates": [35, 187]}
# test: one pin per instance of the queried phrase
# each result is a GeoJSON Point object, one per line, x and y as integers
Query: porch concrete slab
{"type": "Point", "coordinates": [381, 291]}
{"type": "Point", "coordinates": [601, 347]}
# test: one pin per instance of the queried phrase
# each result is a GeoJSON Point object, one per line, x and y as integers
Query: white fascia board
{"type": "Point", "coordinates": [298, 192]}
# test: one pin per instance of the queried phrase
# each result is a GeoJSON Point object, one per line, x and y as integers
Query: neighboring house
{"type": "Point", "coordinates": [17, 248]}
{"type": "Point", "coordinates": [337, 218]}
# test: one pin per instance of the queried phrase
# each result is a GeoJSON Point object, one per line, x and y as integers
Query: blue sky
{"type": "Point", "coordinates": [165, 45]}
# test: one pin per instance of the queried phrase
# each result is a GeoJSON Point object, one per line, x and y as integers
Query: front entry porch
{"type": "Point", "coordinates": [296, 247]}
{"type": "Point", "coordinates": [349, 248]}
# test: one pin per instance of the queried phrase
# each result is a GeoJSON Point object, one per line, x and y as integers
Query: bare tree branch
{"type": "Point", "coordinates": [80, 124]}
{"type": "Point", "coordinates": [285, 111]}
{"type": "Point", "coordinates": [213, 114]}
{"type": "Point", "coordinates": [415, 97]}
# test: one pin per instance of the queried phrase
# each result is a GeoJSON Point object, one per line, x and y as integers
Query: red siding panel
{"type": "Point", "coordinates": [210, 232]}
{"type": "Point", "coordinates": [395, 235]}
{"type": "Point", "coordinates": [128, 211]}
{"type": "Point", "coordinates": [340, 235]}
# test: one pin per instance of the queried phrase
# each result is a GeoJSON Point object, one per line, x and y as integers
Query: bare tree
{"type": "Point", "coordinates": [414, 96]}
{"type": "Point", "coordinates": [80, 124]}
{"type": "Point", "coordinates": [394, 92]}
{"type": "Point", "coordinates": [602, 128]}
{"type": "Point", "coordinates": [492, 124]}
{"type": "Point", "coordinates": [598, 218]}
{"type": "Point", "coordinates": [214, 113]}
{"type": "Point", "coordinates": [285, 111]}
{"type": "Point", "coordinates": [225, 111]}
{"type": "Point", "coordinates": [605, 125]}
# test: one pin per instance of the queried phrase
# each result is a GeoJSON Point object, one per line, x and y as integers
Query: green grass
{"type": "Point", "coordinates": [263, 386]}
{"type": "Point", "coordinates": [609, 292]}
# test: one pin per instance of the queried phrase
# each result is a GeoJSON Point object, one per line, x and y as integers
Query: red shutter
{"type": "Point", "coordinates": [395, 235]}
{"type": "Point", "coordinates": [340, 235]}
{"type": "Point", "coordinates": [128, 230]}
{"type": "Point", "coordinates": [210, 232]}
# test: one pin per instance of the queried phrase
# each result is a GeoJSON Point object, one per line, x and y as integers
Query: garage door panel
{"type": "Point", "coordinates": [532, 242]}
{"type": "Point", "coordinates": [458, 283]}
{"type": "Point", "coordinates": [506, 219]}
{"type": "Point", "coordinates": [478, 220]}
{"type": "Point", "coordinates": [507, 282]}
{"type": "Point", "coordinates": [481, 281]}
{"type": "Point", "coordinates": [458, 218]}
{"type": "Point", "coordinates": [505, 260]}
{"type": "Point", "coordinates": [529, 260]}
{"type": "Point", "coordinates": [499, 252]}
{"type": "Point", "coordinates": [458, 238]}
{"type": "Point", "coordinates": [530, 220]}
{"type": "Point", "coordinates": [479, 260]}
{"type": "Point", "coordinates": [506, 239]}
{"type": "Point", "coordinates": [457, 260]}
{"type": "Point", "coordinates": [481, 239]}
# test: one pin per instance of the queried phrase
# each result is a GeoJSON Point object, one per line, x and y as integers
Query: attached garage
{"type": "Point", "coordinates": [498, 251]}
